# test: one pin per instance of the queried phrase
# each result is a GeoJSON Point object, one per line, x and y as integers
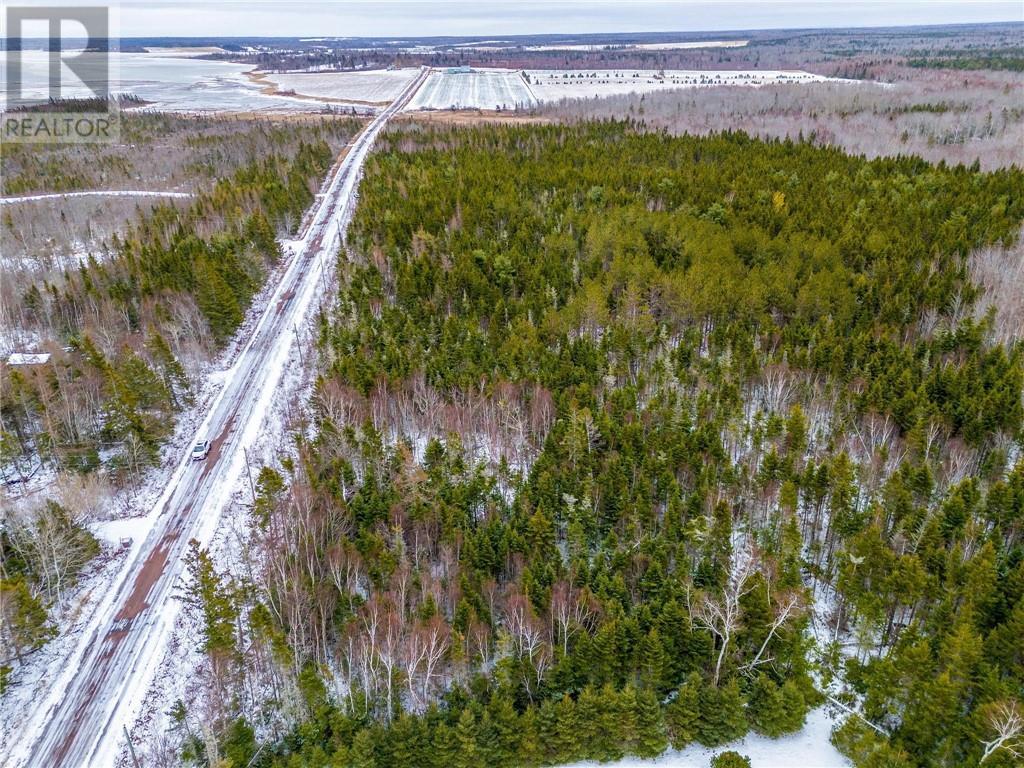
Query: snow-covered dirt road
{"type": "Point", "coordinates": [80, 721]}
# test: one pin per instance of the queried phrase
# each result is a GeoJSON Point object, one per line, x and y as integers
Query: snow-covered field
{"type": "Point", "coordinates": [377, 86]}
{"type": "Point", "coordinates": [479, 89]}
{"type": "Point", "coordinates": [807, 748]}
{"type": "Point", "coordinates": [552, 85]}
{"type": "Point", "coordinates": [492, 89]}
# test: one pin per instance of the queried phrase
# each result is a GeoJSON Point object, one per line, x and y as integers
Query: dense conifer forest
{"type": "Point", "coordinates": [624, 440]}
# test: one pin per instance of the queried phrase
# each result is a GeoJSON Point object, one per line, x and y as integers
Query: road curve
{"type": "Point", "coordinates": [107, 677]}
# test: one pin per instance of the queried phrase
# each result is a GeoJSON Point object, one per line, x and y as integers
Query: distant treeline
{"type": "Point", "coordinates": [96, 104]}
{"type": "Point", "coordinates": [1009, 59]}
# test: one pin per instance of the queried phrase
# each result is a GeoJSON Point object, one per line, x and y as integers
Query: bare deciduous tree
{"type": "Point", "coordinates": [1007, 723]}
{"type": "Point", "coordinates": [720, 614]}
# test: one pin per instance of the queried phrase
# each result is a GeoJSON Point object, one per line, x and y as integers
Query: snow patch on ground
{"type": "Point", "coordinates": [691, 44]}
{"type": "Point", "coordinates": [808, 748]}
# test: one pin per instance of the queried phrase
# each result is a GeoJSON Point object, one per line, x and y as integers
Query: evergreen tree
{"type": "Point", "coordinates": [444, 746]}
{"type": "Point", "coordinates": [776, 710]}
{"type": "Point", "coordinates": [364, 750]}
{"type": "Point", "coordinates": [171, 370]}
{"type": "Point", "coordinates": [730, 759]}
{"type": "Point", "coordinates": [652, 662]}
{"type": "Point", "coordinates": [507, 729]}
{"type": "Point", "coordinates": [722, 716]}
{"type": "Point", "coordinates": [567, 741]}
{"type": "Point", "coordinates": [213, 596]}
{"type": "Point", "coordinates": [25, 626]}
{"type": "Point", "coordinates": [467, 754]}
{"type": "Point", "coordinates": [531, 748]}
{"type": "Point", "coordinates": [651, 738]}
{"type": "Point", "coordinates": [589, 720]}
{"type": "Point", "coordinates": [683, 714]}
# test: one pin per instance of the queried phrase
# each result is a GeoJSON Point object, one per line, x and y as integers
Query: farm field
{"type": "Point", "coordinates": [377, 86]}
{"type": "Point", "coordinates": [486, 89]}
{"type": "Point", "coordinates": [552, 85]}
{"type": "Point", "coordinates": [504, 89]}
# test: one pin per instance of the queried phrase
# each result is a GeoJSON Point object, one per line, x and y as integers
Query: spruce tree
{"type": "Point", "coordinates": [506, 727]}
{"type": "Point", "coordinates": [682, 716]}
{"type": "Point", "coordinates": [589, 710]}
{"type": "Point", "coordinates": [550, 735]}
{"type": "Point", "coordinates": [444, 746]}
{"type": "Point", "coordinates": [25, 626]}
{"type": "Point", "coordinates": [531, 748]}
{"type": "Point", "coordinates": [651, 738]}
{"type": "Point", "coordinates": [730, 759]}
{"type": "Point", "coordinates": [722, 718]}
{"type": "Point", "coordinates": [571, 743]}
{"type": "Point", "coordinates": [776, 710]}
{"type": "Point", "coordinates": [652, 662]}
{"type": "Point", "coordinates": [617, 732]}
{"type": "Point", "coordinates": [363, 753]}
{"type": "Point", "coordinates": [214, 597]}
{"type": "Point", "coordinates": [466, 753]}
{"type": "Point", "coordinates": [171, 370]}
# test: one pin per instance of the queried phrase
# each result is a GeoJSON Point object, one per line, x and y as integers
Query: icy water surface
{"type": "Point", "coordinates": [171, 84]}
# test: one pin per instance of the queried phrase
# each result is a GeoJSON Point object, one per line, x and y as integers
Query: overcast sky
{"type": "Point", "coordinates": [315, 18]}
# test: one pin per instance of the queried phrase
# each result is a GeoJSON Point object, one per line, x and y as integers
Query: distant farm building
{"type": "Point", "coordinates": [465, 69]}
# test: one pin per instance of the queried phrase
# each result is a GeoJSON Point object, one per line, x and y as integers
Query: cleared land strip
{"type": "Point", "coordinates": [94, 193]}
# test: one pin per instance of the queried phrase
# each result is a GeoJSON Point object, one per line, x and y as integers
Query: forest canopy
{"type": "Point", "coordinates": [624, 440]}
